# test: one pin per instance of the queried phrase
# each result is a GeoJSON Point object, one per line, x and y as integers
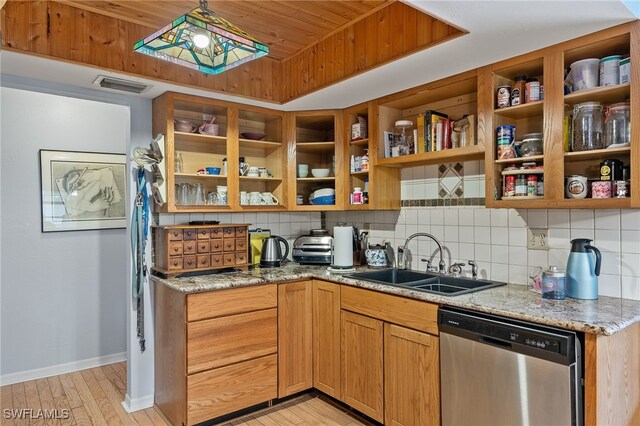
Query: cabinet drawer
{"type": "Point", "coordinates": [175, 248]}
{"type": "Point", "coordinates": [241, 244]}
{"type": "Point", "coordinates": [175, 234]}
{"type": "Point", "coordinates": [228, 245]}
{"type": "Point", "coordinates": [189, 262]}
{"type": "Point", "coordinates": [203, 247]}
{"type": "Point", "coordinates": [203, 261]}
{"type": "Point", "coordinates": [229, 232]}
{"type": "Point", "coordinates": [231, 301]}
{"type": "Point", "coordinates": [203, 234]}
{"type": "Point", "coordinates": [224, 390]}
{"type": "Point", "coordinates": [229, 259]}
{"type": "Point", "coordinates": [189, 247]}
{"type": "Point", "coordinates": [411, 313]}
{"type": "Point", "coordinates": [241, 258]}
{"type": "Point", "coordinates": [215, 233]}
{"type": "Point", "coordinates": [216, 260]}
{"type": "Point", "coordinates": [189, 234]}
{"type": "Point", "coordinates": [227, 340]}
{"type": "Point", "coordinates": [175, 262]}
{"type": "Point", "coordinates": [216, 246]}
{"type": "Point", "coordinates": [241, 231]}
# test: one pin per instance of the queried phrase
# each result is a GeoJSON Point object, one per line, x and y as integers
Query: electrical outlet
{"type": "Point", "coordinates": [537, 239]}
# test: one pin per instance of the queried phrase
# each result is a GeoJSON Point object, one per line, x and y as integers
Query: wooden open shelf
{"type": "Point", "coordinates": [192, 176]}
{"type": "Point", "coordinates": [521, 111]}
{"type": "Point", "coordinates": [361, 173]}
{"type": "Point", "coordinates": [522, 172]}
{"type": "Point", "coordinates": [603, 94]}
{"type": "Point", "coordinates": [259, 179]}
{"type": "Point", "coordinates": [315, 179]}
{"type": "Point", "coordinates": [521, 159]}
{"type": "Point", "coordinates": [364, 142]}
{"type": "Point", "coordinates": [315, 146]}
{"type": "Point", "coordinates": [252, 143]}
{"type": "Point", "coordinates": [597, 154]}
{"type": "Point", "coordinates": [197, 137]}
{"type": "Point", "coordinates": [473, 152]}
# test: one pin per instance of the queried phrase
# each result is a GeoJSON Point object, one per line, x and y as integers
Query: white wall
{"type": "Point", "coordinates": [497, 238]}
{"type": "Point", "coordinates": [54, 319]}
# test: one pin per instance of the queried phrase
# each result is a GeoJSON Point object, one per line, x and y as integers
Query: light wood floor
{"type": "Point", "coordinates": [93, 397]}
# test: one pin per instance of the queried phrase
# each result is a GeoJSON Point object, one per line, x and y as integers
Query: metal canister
{"type": "Point", "coordinates": [611, 170]}
{"type": "Point", "coordinates": [553, 284]}
{"type": "Point", "coordinates": [503, 98]}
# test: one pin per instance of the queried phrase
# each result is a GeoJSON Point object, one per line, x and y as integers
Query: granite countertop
{"type": "Point", "coordinates": [604, 316]}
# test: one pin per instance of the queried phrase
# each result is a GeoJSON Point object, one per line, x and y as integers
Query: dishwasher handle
{"type": "Point", "coordinates": [494, 342]}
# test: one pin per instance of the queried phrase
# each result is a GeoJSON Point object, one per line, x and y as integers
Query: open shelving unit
{"type": "Point", "coordinates": [546, 116]}
{"type": "Point", "coordinates": [316, 139]}
{"type": "Point", "coordinates": [454, 96]}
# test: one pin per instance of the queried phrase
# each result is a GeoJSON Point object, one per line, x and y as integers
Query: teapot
{"type": "Point", "coordinates": [209, 128]}
{"type": "Point", "coordinates": [377, 256]}
{"type": "Point", "coordinates": [184, 126]}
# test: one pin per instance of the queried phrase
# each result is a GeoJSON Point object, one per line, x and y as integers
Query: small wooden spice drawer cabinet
{"type": "Point", "coordinates": [180, 249]}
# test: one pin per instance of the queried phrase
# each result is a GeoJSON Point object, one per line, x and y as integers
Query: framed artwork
{"type": "Point", "coordinates": [82, 190]}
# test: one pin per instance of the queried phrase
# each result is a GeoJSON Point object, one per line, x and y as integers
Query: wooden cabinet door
{"type": "Point", "coordinates": [362, 352]}
{"type": "Point", "coordinates": [326, 338]}
{"type": "Point", "coordinates": [411, 377]}
{"type": "Point", "coordinates": [295, 347]}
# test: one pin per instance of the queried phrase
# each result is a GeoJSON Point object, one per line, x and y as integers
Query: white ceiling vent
{"type": "Point", "coordinates": [120, 84]}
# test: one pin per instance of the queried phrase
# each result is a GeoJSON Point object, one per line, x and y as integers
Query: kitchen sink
{"type": "Point", "coordinates": [426, 281]}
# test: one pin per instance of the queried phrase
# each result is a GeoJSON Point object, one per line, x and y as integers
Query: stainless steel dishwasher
{"type": "Point", "coordinates": [499, 371]}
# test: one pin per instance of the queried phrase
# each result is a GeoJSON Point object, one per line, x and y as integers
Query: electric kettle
{"type": "Point", "coordinates": [583, 268]}
{"type": "Point", "coordinates": [271, 254]}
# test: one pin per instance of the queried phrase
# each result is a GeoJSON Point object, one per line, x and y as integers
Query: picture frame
{"type": "Point", "coordinates": [82, 191]}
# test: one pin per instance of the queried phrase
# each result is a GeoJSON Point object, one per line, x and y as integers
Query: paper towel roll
{"type": "Point", "coordinates": [342, 247]}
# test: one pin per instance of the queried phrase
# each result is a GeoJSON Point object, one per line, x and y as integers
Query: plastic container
{"type": "Point", "coordinates": [587, 126]}
{"type": "Point", "coordinates": [610, 70]}
{"type": "Point", "coordinates": [584, 74]}
{"type": "Point", "coordinates": [617, 124]}
{"type": "Point", "coordinates": [553, 284]}
{"type": "Point", "coordinates": [625, 70]}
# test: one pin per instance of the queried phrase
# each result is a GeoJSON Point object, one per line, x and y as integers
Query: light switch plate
{"type": "Point", "coordinates": [537, 239]}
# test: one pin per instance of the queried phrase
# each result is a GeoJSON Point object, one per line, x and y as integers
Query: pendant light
{"type": "Point", "coordinates": [203, 41]}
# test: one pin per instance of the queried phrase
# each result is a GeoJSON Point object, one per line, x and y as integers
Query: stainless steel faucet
{"type": "Point", "coordinates": [401, 263]}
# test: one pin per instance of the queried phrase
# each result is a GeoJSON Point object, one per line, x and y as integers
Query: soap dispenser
{"type": "Point", "coordinates": [583, 269]}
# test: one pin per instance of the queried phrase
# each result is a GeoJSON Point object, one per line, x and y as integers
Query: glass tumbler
{"type": "Point", "coordinates": [185, 194]}
{"type": "Point", "coordinates": [198, 194]}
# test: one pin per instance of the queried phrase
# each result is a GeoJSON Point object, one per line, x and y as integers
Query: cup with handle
{"type": "Point", "coordinates": [255, 199]}
{"type": "Point", "coordinates": [269, 198]}
{"type": "Point", "coordinates": [244, 198]}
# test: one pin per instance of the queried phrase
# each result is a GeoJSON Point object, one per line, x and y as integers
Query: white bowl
{"type": "Point", "coordinates": [320, 173]}
{"type": "Point", "coordinates": [324, 192]}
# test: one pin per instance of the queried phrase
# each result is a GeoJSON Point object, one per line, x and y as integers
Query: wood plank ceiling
{"type": "Point", "coordinates": [285, 26]}
{"type": "Point", "coordinates": [313, 43]}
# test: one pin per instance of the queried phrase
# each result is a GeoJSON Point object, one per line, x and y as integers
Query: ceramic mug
{"type": "Point", "coordinates": [269, 199]}
{"type": "Point", "coordinates": [576, 186]}
{"type": "Point", "coordinates": [244, 198]}
{"type": "Point", "coordinates": [263, 172]}
{"type": "Point", "coordinates": [303, 170]}
{"type": "Point", "coordinates": [255, 199]}
{"type": "Point", "coordinates": [244, 169]}
{"type": "Point", "coordinates": [253, 171]}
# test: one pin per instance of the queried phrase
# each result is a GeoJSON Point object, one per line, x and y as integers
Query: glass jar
{"type": "Point", "coordinates": [617, 124]}
{"type": "Point", "coordinates": [553, 284]}
{"type": "Point", "coordinates": [532, 144]}
{"type": "Point", "coordinates": [587, 126]}
{"type": "Point", "coordinates": [404, 138]}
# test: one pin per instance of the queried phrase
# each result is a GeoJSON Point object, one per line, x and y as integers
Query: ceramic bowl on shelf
{"type": "Point", "coordinates": [254, 136]}
{"type": "Point", "coordinates": [184, 126]}
{"type": "Point", "coordinates": [320, 173]}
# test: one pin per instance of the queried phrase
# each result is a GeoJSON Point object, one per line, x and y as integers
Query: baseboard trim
{"type": "Point", "coordinates": [54, 370]}
{"type": "Point", "coordinates": [131, 405]}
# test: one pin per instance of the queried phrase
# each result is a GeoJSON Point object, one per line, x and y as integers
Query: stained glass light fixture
{"type": "Point", "coordinates": [203, 41]}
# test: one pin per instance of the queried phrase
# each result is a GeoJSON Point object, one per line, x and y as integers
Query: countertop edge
{"type": "Point", "coordinates": [245, 279]}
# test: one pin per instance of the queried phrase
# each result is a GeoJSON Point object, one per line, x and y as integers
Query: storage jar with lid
{"type": "Point", "coordinates": [587, 126]}
{"type": "Point", "coordinates": [617, 124]}
{"type": "Point", "coordinates": [553, 284]}
{"type": "Point", "coordinates": [531, 145]}
{"type": "Point", "coordinates": [404, 130]}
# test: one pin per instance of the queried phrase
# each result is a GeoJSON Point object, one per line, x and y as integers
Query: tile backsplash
{"type": "Point", "coordinates": [497, 238]}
